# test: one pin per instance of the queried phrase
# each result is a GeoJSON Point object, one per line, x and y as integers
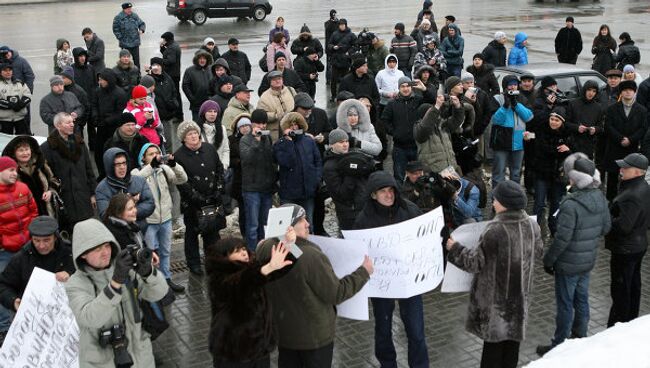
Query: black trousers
{"type": "Point", "coordinates": [179, 112]}
{"type": "Point", "coordinates": [259, 363]}
{"type": "Point", "coordinates": [503, 354]}
{"type": "Point", "coordinates": [612, 185]}
{"type": "Point", "coordinates": [135, 54]}
{"type": "Point", "coordinates": [567, 59]}
{"type": "Point", "coordinates": [210, 238]}
{"type": "Point", "coordinates": [337, 74]}
{"type": "Point", "coordinates": [626, 287]}
{"type": "Point", "coordinates": [316, 358]}
{"type": "Point", "coordinates": [104, 133]}
{"type": "Point", "coordinates": [14, 127]}
{"type": "Point", "coordinates": [319, 213]}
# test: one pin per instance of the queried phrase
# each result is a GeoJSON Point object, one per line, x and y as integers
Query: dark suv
{"type": "Point", "coordinates": [198, 11]}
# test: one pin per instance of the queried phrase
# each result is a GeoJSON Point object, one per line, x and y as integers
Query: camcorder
{"type": "Point", "coordinates": [261, 133]}
{"type": "Point", "coordinates": [364, 42]}
{"type": "Point", "coordinates": [295, 133]}
{"type": "Point", "coordinates": [514, 93]}
{"type": "Point", "coordinates": [116, 338]}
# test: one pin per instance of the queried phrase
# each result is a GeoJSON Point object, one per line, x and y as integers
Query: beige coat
{"type": "Point", "coordinates": [276, 104]}
{"type": "Point", "coordinates": [234, 109]}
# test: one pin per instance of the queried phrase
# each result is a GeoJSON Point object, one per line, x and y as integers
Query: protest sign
{"type": "Point", "coordinates": [346, 256]}
{"type": "Point", "coordinates": [44, 332]}
{"type": "Point", "coordinates": [407, 256]}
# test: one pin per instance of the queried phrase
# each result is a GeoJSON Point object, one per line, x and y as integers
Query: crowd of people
{"type": "Point", "coordinates": [100, 212]}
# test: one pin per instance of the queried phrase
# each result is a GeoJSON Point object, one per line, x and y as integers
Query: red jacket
{"type": "Point", "coordinates": [17, 210]}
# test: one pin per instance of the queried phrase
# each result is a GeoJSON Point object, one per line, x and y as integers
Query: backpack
{"type": "Point", "coordinates": [356, 164]}
{"type": "Point", "coordinates": [475, 179]}
{"type": "Point", "coordinates": [634, 56]}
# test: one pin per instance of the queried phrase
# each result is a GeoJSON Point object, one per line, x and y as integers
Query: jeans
{"type": "Point", "coordinates": [454, 70]}
{"type": "Point", "coordinates": [314, 358]}
{"type": "Point", "coordinates": [511, 159]}
{"type": "Point", "coordinates": [308, 205]}
{"type": "Point", "coordinates": [626, 287]}
{"type": "Point", "coordinates": [192, 254]}
{"type": "Point", "coordinates": [552, 190]}
{"type": "Point", "coordinates": [5, 314]}
{"type": "Point", "coordinates": [502, 354]}
{"type": "Point", "coordinates": [159, 238]}
{"type": "Point", "coordinates": [257, 211]}
{"type": "Point", "coordinates": [411, 312]}
{"type": "Point", "coordinates": [401, 157]}
{"type": "Point", "coordinates": [572, 303]}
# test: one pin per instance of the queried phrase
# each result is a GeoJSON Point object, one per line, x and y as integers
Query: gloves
{"type": "Point", "coordinates": [162, 49]}
{"type": "Point", "coordinates": [549, 270]}
{"type": "Point", "coordinates": [354, 143]}
{"type": "Point", "coordinates": [123, 264]}
{"type": "Point", "coordinates": [144, 267]}
{"type": "Point", "coordinates": [155, 162]}
{"type": "Point", "coordinates": [171, 162]}
{"type": "Point", "coordinates": [149, 123]}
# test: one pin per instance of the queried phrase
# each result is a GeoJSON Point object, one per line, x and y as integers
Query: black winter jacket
{"type": "Point", "coordinates": [587, 113]}
{"type": "Point", "coordinates": [205, 177]}
{"type": "Point", "coordinates": [364, 86]}
{"type": "Point", "coordinates": [165, 96]}
{"type": "Point", "coordinates": [547, 160]}
{"type": "Point", "coordinates": [344, 40]}
{"type": "Point", "coordinates": [495, 53]}
{"type": "Point", "coordinates": [16, 274]}
{"type": "Point", "coordinates": [171, 55]}
{"type": "Point", "coordinates": [108, 103]}
{"type": "Point", "coordinates": [239, 64]}
{"type": "Point", "coordinates": [618, 126]}
{"type": "Point", "coordinates": [85, 76]}
{"type": "Point", "coordinates": [348, 192]}
{"type": "Point", "coordinates": [127, 78]}
{"type": "Point", "coordinates": [290, 78]}
{"type": "Point", "coordinates": [196, 81]}
{"type": "Point", "coordinates": [630, 212]}
{"type": "Point", "coordinates": [628, 53]}
{"type": "Point", "coordinates": [485, 78]}
{"type": "Point", "coordinates": [306, 40]}
{"type": "Point", "coordinates": [568, 43]}
{"type": "Point", "coordinates": [259, 172]}
{"type": "Point", "coordinates": [399, 117]}
{"type": "Point", "coordinates": [304, 67]}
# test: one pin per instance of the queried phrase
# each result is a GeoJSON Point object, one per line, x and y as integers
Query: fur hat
{"type": "Point", "coordinates": [291, 118]}
{"type": "Point", "coordinates": [156, 60]}
{"type": "Point", "coordinates": [185, 127]}
{"type": "Point", "coordinates": [511, 195]}
{"type": "Point", "coordinates": [357, 63]}
{"type": "Point", "coordinates": [259, 116]}
{"type": "Point", "coordinates": [627, 84]}
{"type": "Point", "coordinates": [581, 171]}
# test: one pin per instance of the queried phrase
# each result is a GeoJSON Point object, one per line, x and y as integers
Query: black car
{"type": "Point", "coordinates": [198, 11]}
{"type": "Point", "coordinates": [570, 78]}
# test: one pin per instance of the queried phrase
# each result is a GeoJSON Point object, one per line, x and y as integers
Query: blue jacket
{"type": "Point", "coordinates": [519, 52]}
{"type": "Point", "coordinates": [136, 185]}
{"type": "Point", "coordinates": [452, 49]}
{"type": "Point", "coordinates": [465, 209]}
{"type": "Point", "coordinates": [126, 29]}
{"type": "Point", "coordinates": [516, 119]}
{"type": "Point", "coordinates": [300, 167]}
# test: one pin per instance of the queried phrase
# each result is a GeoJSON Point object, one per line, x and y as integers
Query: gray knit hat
{"type": "Point", "coordinates": [57, 79]}
{"type": "Point", "coordinates": [125, 52]}
{"type": "Point", "coordinates": [338, 135]}
{"type": "Point", "coordinates": [511, 195]}
{"type": "Point", "coordinates": [466, 76]}
{"type": "Point", "coordinates": [403, 80]}
{"type": "Point", "coordinates": [148, 81]}
{"type": "Point", "coordinates": [298, 212]}
{"type": "Point", "coordinates": [185, 127]}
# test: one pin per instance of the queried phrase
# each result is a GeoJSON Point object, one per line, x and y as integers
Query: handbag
{"type": "Point", "coordinates": [154, 320]}
{"type": "Point", "coordinates": [501, 138]}
{"type": "Point", "coordinates": [60, 212]}
{"type": "Point", "coordinates": [211, 218]}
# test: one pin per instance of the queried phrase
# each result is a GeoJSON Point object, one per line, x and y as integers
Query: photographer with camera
{"type": "Point", "coordinates": [345, 174]}
{"type": "Point", "coordinates": [103, 298]}
{"type": "Point", "coordinates": [14, 99]}
{"type": "Point", "coordinates": [300, 164]}
{"type": "Point", "coordinates": [417, 187]}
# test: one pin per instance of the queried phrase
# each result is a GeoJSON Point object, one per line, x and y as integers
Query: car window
{"type": "Point", "coordinates": [564, 84]}
{"type": "Point", "coordinates": [584, 78]}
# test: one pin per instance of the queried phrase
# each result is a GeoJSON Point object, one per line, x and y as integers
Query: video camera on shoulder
{"type": "Point", "coordinates": [115, 336]}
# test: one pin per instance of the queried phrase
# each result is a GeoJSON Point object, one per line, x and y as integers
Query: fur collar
{"type": "Point", "coordinates": [55, 141]}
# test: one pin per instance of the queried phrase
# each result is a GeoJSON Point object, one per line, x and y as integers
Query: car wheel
{"type": "Point", "coordinates": [259, 13]}
{"type": "Point", "coordinates": [199, 17]}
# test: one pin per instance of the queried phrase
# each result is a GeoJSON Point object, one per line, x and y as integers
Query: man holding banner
{"type": "Point", "coordinates": [304, 299]}
{"type": "Point", "coordinates": [385, 207]}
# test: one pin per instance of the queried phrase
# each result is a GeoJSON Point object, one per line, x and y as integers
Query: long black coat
{"type": "Point", "coordinates": [74, 169]}
{"type": "Point", "coordinates": [602, 49]}
{"type": "Point", "coordinates": [108, 103]}
{"type": "Point", "coordinates": [630, 212]}
{"type": "Point", "coordinates": [15, 276]}
{"type": "Point", "coordinates": [85, 75]}
{"type": "Point", "coordinates": [548, 161]}
{"type": "Point", "coordinates": [344, 40]}
{"type": "Point", "coordinates": [617, 126]}
{"type": "Point", "coordinates": [196, 81]}
{"type": "Point", "coordinates": [239, 64]}
{"type": "Point", "coordinates": [568, 44]}
{"type": "Point", "coordinates": [587, 113]}
{"type": "Point", "coordinates": [165, 96]}
{"type": "Point", "coordinates": [205, 177]}
{"type": "Point", "coordinates": [485, 78]}
{"type": "Point", "coordinates": [172, 59]}
{"type": "Point", "coordinates": [348, 192]}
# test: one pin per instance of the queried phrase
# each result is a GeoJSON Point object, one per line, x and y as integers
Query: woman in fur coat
{"type": "Point", "coordinates": [241, 330]}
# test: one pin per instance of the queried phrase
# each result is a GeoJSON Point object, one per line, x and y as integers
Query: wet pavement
{"type": "Point", "coordinates": [33, 29]}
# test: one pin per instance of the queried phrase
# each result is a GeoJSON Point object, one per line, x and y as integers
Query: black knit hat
{"type": "Point", "coordinates": [278, 55]}
{"type": "Point", "coordinates": [548, 81]}
{"type": "Point", "coordinates": [167, 36]}
{"type": "Point", "coordinates": [400, 26]}
{"type": "Point", "coordinates": [357, 63]}
{"type": "Point", "coordinates": [156, 60]}
{"type": "Point", "coordinates": [478, 55]}
{"type": "Point", "coordinates": [126, 117]}
{"type": "Point", "coordinates": [259, 116]}
{"type": "Point", "coordinates": [511, 195]}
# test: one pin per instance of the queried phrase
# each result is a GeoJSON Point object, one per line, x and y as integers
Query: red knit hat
{"type": "Point", "coordinates": [7, 162]}
{"type": "Point", "coordinates": [139, 91]}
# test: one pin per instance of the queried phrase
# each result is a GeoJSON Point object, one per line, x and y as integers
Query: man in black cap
{"type": "Point", "coordinates": [405, 48]}
{"type": "Point", "coordinates": [237, 61]}
{"type": "Point", "coordinates": [171, 59]}
{"type": "Point", "coordinates": [568, 43]}
{"type": "Point", "coordinates": [359, 82]}
{"type": "Point", "coordinates": [46, 250]}
{"type": "Point", "coordinates": [337, 49]}
{"type": "Point", "coordinates": [128, 28]}
{"type": "Point", "coordinates": [609, 94]}
{"type": "Point", "coordinates": [625, 127]}
{"type": "Point", "coordinates": [627, 239]}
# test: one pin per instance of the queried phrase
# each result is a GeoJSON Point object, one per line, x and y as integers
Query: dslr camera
{"type": "Point", "coordinates": [115, 337]}
{"type": "Point", "coordinates": [560, 98]}
{"type": "Point", "coordinates": [440, 188]}
{"type": "Point", "coordinates": [139, 254]}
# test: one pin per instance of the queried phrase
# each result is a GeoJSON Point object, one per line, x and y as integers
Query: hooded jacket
{"type": "Point", "coordinates": [588, 113]}
{"type": "Point", "coordinates": [111, 185]}
{"type": "Point", "coordinates": [582, 219]}
{"type": "Point", "coordinates": [363, 132]}
{"type": "Point", "coordinates": [304, 40]}
{"type": "Point", "coordinates": [17, 210]}
{"type": "Point", "coordinates": [159, 179]}
{"type": "Point", "coordinates": [429, 96]}
{"type": "Point", "coordinates": [519, 52]}
{"type": "Point", "coordinates": [495, 53]}
{"type": "Point", "coordinates": [22, 70]}
{"type": "Point", "coordinates": [37, 174]}
{"type": "Point", "coordinates": [223, 63]}
{"type": "Point", "coordinates": [132, 147]}
{"type": "Point", "coordinates": [304, 300]}
{"type": "Point", "coordinates": [97, 306]}
{"type": "Point", "coordinates": [53, 104]}
{"type": "Point", "coordinates": [239, 64]}
{"type": "Point", "coordinates": [196, 81]}
{"type": "Point", "coordinates": [348, 192]}
{"type": "Point", "coordinates": [299, 161]}
{"type": "Point", "coordinates": [72, 166]}
{"type": "Point", "coordinates": [14, 278]}
{"type": "Point", "coordinates": [62, 58]}
{"type": "Point", "coordinates": [453, 47]}
{"type": "Point", "coordinates": [127, 28]}
{"type": "Point", "coordinates": [108, 103]}
{"type": "Point", "coordinates": [503, 267]}
{"type": "Point", "coordinates": [96, 51]}
{"type": "Point", "coordinates": [85, 75]}
{"type": "Point", "coordinates": [214, 52]}
{"type": "Point", "coordinates": [387, 81]}
{"type": "Point", "coordinates": [433, 137]}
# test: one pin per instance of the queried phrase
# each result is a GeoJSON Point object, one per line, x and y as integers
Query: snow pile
{"type": "Point", "coordinates": [624, 345]}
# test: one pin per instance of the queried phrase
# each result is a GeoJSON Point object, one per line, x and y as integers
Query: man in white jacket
{"type": "Point", "coordinates": [387, 79]}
